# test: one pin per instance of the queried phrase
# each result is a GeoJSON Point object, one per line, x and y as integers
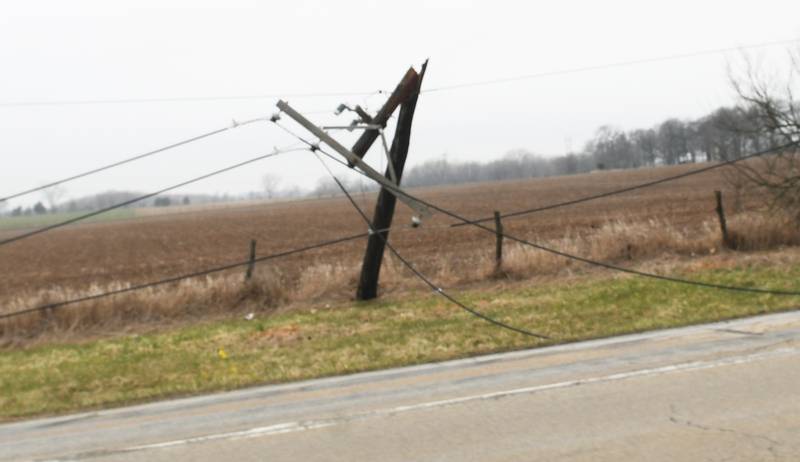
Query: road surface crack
{"type": "Point", "coordinates": [738, 331]}
{"type": "Point", "coordinates": [771, 444]}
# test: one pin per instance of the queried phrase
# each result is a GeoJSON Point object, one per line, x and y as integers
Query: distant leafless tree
{"type": "Point", "coordinates": [674, 137]}
{"type": "Point", "coordinates": [612, 148]}
{"type": "Point", "coordinates": [39, 208]}
{"type": "Point", "coordinates": [53, 196]}
{"type": "Point", "coordinates": [645, 145]}
{"type": "Point", "coordinates": [326, 187]}
{"type": "Point", "coordinates": [270, 183]}
{"type": "Point", "coordinates": [162, 201]}
{"type": "Point", "coordinates": [773, 120]}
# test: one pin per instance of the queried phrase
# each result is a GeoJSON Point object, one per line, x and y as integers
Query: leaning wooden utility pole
{"type": "Point", "coordinates": [384, 209]}
{"type": "Point", "coordinates": [405, 96]}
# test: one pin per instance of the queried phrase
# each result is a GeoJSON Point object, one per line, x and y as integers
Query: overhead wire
{"type": "Point", "coordinates": [396, 190]}
{"type": "Point", "coordinates": [332, 94]}
{"type": "Point", "coordinates": [597, 67]}
{"type": "Point", "coordinates": [367, 94]}
{"type": "Point", "coordinates": [634, 187]}
{"type": "Point", "coordinates": [439, 290]}
{"type": "Point", "coordinates": [133, 158]}
{"type": "Point", "coordinates": [195, 274]}
{"type": "Point", "coordinates": [615, 267]}
{"type": "Point", "coordinates": [184, 99]}
{"type": "Point", "coordinates": [428, 282]}
{"type": "Point", "coordinates": [140, 198]}
{"type": "Point", "coordinates": [444, 211]}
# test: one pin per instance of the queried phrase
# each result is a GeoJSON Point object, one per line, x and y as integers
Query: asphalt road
{"type": "Point", "coordinates": [726, 392]}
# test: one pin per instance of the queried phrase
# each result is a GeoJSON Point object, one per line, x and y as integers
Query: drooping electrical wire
{"type": "Point", "coordinates": [437, 289]}
{"type": "Point", "coordinates": [396, 190]}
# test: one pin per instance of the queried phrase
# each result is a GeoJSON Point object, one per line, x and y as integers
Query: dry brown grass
{"type": "Point", "coordinates": [188, 300]}
{"type": "Point", "coordinates": [615, 242]}
{"type": "Point", "coordinates": [763, 231]}
{"type": "Point", "coordinates": [664, 221]}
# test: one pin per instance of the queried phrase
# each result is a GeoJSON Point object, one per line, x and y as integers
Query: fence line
{"type": "Point", "coordinates": [582, 259]}
{"type": "Point", "coordinates": [182, 277]}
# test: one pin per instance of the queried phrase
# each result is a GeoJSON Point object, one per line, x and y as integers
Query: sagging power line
{"type": "Point", "coordinates": [436, 288]}
{"type": "Point", "coordinates": [380, 234]}
{"type": "Point", "coordinates": [590, 261]}
{"type": "Point", "coordinates": [354, 162]}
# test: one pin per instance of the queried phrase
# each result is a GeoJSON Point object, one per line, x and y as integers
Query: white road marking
{"type": "Point", "coordinates": [299, 426]}
{"type": "Point", "coordinates": [277, 429]}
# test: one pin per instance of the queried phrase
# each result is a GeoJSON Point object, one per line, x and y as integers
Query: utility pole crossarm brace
{"type": "Point", "coordinates": [353, 159]}
{"type": "Point", "coordinates": [407, 86]}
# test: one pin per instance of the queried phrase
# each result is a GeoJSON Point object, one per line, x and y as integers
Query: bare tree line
{"type": "Point", "coordinates": [727, 133]}
{"type": "Point", "coordinates": [767, 117]}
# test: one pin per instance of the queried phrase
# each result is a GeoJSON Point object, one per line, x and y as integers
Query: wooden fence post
{"type": "Point", "coordinates": [250, 266]}
{"type": "Point", "coordinates": [723, 224]}
{"type": "Point", "coordinates": [498, 229]}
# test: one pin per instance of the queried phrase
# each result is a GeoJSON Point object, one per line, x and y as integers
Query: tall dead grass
{"type": "Point", "coordinates": [616, 241]}
{"type": "Point", "coordinates": [763, 231]}
{"type": "Point", "coordinates": [187, 300]}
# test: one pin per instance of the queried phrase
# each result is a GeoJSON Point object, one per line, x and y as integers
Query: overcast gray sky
{"type": "Point", "coordinates": [95, 50]}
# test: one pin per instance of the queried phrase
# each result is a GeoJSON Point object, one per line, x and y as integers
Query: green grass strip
{"type": "Point", "coordinates": [364, 336]}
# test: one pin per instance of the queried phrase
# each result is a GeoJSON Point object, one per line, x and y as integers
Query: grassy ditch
{"type": "Point", "coordinates": [349, 338]}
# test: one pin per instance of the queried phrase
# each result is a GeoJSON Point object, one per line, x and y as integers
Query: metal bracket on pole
{"type": "Point", "coordinates": [351, 127]}
{"type": "Point", "coordinates": [389, 163]}
{"type": "Point", "coordinates": [353, 159]}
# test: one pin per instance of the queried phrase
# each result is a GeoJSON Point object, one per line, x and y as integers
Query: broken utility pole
{"type": "Point", "coordinates": [405, 96]}
{"type": "Point", "coordinates": [384, 209]}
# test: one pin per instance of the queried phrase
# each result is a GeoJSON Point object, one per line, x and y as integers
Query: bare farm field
{"type": "Point", "coordinates": [664, 223]}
